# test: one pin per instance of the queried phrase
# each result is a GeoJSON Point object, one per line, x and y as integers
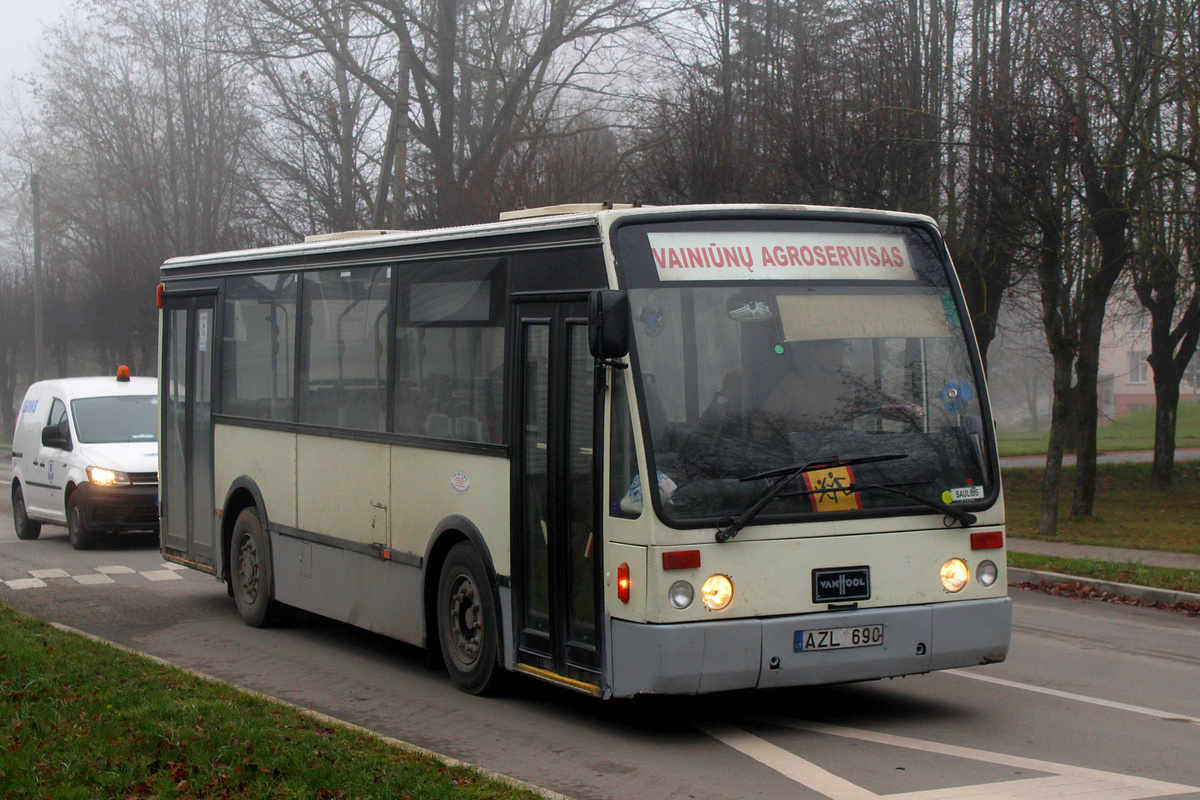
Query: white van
{"type": "Point", "coordinates": [85, 455]}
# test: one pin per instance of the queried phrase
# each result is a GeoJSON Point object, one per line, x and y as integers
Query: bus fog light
{"type": "Point", "coordinates": [681, 594]}
{"type": "Point", "coordinates": [986, 573]}
{"type": "Point", "coordinates": [717, 592]}
{"type": "Point", "coordinates": [955, 575]}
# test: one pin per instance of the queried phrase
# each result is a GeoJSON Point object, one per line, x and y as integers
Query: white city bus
{"type": "Point", "coordinates": [445, 436]}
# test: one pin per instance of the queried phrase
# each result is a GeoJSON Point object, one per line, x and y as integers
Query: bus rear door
{"type": "Point", "coordinates": [186, 448]}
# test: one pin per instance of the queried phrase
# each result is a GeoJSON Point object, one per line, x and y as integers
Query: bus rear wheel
{"type": "Point", "coordinates": [250, 574]}
{"type": "Point", "coordinates": [467, 622]}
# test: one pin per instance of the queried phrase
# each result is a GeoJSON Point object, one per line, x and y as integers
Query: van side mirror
{"type": "Point", "coordinates": [54, 436]}
{"type": "Point", "coordinates": [609, 323]}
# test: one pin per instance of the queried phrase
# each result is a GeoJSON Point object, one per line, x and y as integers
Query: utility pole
{"type": "Point", "coordinates": [38, 344]}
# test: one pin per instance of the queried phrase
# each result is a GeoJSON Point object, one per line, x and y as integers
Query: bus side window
{"type": "Point", "coordinates": [343, 361]}
{"type": "Point", "coordinates": [450, 351]}
{"type": "Point", "coordinates": [622, 458]}
{"type": "Point", "coordinates": [258, 347]}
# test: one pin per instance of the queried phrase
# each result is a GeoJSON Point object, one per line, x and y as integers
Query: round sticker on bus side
{"type": "Point", "coordinates": [459, 482]}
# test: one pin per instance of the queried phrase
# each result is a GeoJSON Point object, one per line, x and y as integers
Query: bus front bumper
{"type": "Point", "coordinates": [727, 655]}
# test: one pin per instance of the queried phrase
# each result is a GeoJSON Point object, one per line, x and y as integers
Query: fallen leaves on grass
{"type": "Point", "coordinates": [1083, 591]}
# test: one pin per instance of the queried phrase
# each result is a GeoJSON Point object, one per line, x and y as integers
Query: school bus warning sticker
{"type": "Point", "coordinates": [829, 490]}
{"type": "Point", "coordinates": [680, 256]}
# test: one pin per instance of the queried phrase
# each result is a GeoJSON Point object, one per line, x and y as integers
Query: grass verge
{"type": "Point", "coordinates": [1132, 432]}
{"type": "Point", "coordinates": [1129, 512]}
{"type": "Point", "coordinates": [1178, 580]}
{"type": "Point", "coordinates": [80, 719]}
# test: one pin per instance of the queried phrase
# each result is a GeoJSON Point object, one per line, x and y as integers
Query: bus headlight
{"type": "Point", "coordinates": [955, 575]}
{"type": "Point", "coordinates": [986, 573]}
{"type": "Point", "coordinates": [717, 592]}
{"type": "Point", "coordinates": [681, 594]}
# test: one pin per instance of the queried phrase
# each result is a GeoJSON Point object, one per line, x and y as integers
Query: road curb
{"type": "Point", "coordinates": [1146, 594]}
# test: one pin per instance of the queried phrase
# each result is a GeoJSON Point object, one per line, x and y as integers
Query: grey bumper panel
{"type": "Point", "coordinates": [702, 657]}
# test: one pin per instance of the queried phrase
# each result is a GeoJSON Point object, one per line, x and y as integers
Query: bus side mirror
{"type": "Point", "coordinates": [609, 323]}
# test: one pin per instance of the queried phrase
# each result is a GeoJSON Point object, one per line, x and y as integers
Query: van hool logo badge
{"type": "Point", "coordinates": [842, 583]}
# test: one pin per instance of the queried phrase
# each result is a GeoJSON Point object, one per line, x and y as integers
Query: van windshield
{"type": "Point", "coordinates": [106, 420]}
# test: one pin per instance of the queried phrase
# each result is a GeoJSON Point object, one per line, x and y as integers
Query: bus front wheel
{"type": "Point", "coordinates": [467, 622]}
{"type": "Point", "coordinates": [250, 574]}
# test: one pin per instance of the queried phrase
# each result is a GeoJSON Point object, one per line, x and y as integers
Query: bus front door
{"type": "Point", "coordinates": [188, 518]}
{"type": "Point", "coordinates": [556, 550]}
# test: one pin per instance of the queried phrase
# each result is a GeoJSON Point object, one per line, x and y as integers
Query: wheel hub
{"type": "Point", "coordinates": [466, 619]}
{"type": "Point", "coordinates": [248, 569]}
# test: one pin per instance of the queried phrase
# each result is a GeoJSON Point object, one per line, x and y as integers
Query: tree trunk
{"type": "Point", "coordinates": [1166, 414]}
{"type": "Point", "coordinates": [1059, 426]}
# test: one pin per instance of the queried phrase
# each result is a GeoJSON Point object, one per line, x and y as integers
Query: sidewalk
{"type": "Point", "coordinates": [1121, 457]}
{"type": "Point", "coordinates": [1152, 558]}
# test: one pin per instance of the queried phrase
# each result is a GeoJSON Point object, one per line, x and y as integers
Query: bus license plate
{"type": "Point", "coordinates": [837, 638]}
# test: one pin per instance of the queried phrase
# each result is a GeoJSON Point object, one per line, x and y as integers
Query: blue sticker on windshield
{"type": "Point", "coordinates": [956, 395]}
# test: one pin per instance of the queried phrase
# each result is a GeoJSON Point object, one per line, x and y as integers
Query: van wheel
{"type": "Point", "coordinates": [251, 577]}
{"type": "Point", "coordinates": [25, 527]}
{"type": "Point", "coordinates": [81, 538]}
{"type": "Point", "coordinates": [467, 622]}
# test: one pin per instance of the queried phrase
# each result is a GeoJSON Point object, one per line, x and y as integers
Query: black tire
{"type": "Point", "coordinates": [251, 576]}
{"type": "Point", "coordinates": [468, 626]}
{"type": "Point", "coordinates": [81, 538]}
{"type": "Point", "coordinates": [25, 527]}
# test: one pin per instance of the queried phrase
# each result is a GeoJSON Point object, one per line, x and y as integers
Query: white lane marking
{"type": "Point", "coordinates": [94, 579]}
{"type": "Point", "coordinates": [1096, 701]}
{"type": "Point", "coordinates": [25, 583]}
{"type": "Point", "coordinates": [100, 576]}
{"type": "Point", "coordinates": [161, 575]}
{"type": "Point", "coordinates": [786, 763]}
{"type": "Point", "coordinates": [49, 573]}
{"type": "Point", "coordinates": [1061, 781]}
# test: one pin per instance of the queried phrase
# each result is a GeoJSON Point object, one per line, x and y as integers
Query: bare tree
{"type": "Point", "coordinates": [471, 84]}
{"type": "Point", "coordinates": [141, 143]}
{"type": "Point", "coordinates": [1098, 63]}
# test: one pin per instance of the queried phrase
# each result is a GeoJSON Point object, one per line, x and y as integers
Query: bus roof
{"type": "Point", "coordinates": [593, 217]}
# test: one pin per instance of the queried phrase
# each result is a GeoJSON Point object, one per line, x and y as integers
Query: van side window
{"type": "Point", "coordinates": [58, 417]}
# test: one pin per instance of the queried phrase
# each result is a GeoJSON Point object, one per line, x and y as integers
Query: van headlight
{"type": "Point", "coordinates": [107, 477]}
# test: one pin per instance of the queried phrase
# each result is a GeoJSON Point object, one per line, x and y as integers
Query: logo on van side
{"type": "Point", "coordinates": [29, 406]}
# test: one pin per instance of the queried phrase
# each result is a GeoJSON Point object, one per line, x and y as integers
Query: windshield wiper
{"type": "Point", "coordinates": [728, 528]}
{"type": "Point", "coordinates": [965, 517]}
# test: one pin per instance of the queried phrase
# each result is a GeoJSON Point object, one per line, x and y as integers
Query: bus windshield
{"type": "Point", "coordinates": [771, 345]}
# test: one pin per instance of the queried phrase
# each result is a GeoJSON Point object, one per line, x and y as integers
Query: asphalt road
{"type": "Point", "coordinates": [1095, 701]}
